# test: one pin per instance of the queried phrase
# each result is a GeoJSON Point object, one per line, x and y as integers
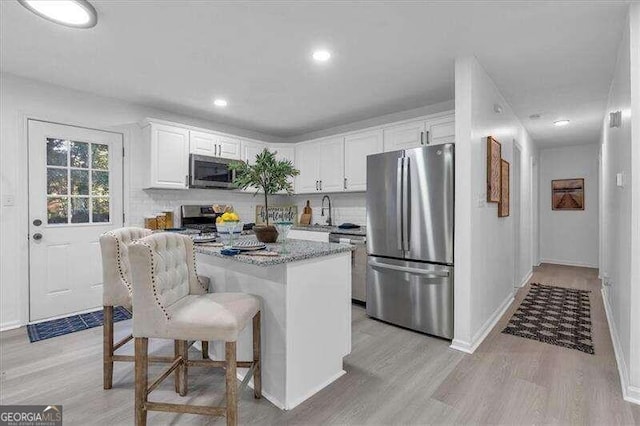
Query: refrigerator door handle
{"type": "Point", "coordinates": [406, 206]}
{"type": "Point", "coordinates": [399, 213]}
{"type": "Point", "coordinates": [415, 271]}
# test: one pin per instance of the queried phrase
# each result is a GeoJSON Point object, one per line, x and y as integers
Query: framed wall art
{"type": "Point", "coordinates": [494, 155]}
{"type": "Point", "coordinates": [503, 204]}
{"type": "Point", "coordinates": [567, 194]}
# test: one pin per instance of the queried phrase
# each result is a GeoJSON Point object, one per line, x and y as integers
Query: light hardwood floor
{"type": "Point", "coordinates": [395, 376]}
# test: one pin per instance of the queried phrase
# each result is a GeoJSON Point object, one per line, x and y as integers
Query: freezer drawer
{"type": "Point", "coordinates": [415, 295]}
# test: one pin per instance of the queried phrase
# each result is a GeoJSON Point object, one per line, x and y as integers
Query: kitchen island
{"type": "Point", "coordinates": [306, 313]}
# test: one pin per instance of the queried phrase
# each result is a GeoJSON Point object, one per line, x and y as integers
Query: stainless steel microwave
{"type": "Point", "coordinates": [210, 172]}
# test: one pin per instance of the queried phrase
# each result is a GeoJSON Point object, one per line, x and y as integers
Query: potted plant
{"type": "Point", "coordinates": [269, 175]}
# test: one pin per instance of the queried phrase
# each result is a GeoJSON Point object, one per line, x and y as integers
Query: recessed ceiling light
{"type": "Point", "coordinates": [561, 123]}
{"type": "Point", "coordinates": [220, 102]}
{"type": "Point", "coordinates": [321, 55]}
{"type": "Point", "coordinates": [70, 13]}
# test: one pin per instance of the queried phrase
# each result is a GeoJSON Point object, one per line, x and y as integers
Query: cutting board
{"type": "Point", "coordinates": [305, 219]}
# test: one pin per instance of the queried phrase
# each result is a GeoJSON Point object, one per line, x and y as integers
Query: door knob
{"type": "Point", "coordinates": [37, 236]}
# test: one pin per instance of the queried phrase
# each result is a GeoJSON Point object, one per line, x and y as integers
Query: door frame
{"type": "Point", "coordinates": [22, 201]}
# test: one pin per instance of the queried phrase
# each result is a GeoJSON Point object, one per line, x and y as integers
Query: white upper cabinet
{"type": "Point", "coordinates": [404, 136]}
{"type": "Point", "coordinates": [357, 147]}
{"type": "Point", "coordinates": [285, 152]}
{"type": "Point", "coordinates": [214, 145]}
{"type": "Point", "coordinates": [429, 131]}
{"type": "Point", "coordinates": [309, 166]}
{"type": "Point", "coordinates": [250, 150]}
{"type": "Point", "coordinates": [167, 148]}
{"type": "Point", "coordinates": [441, 130]}
{"type": "Point", "coordinates": [331, 174]}
{"type": "Point", "coordinates": [202, 143]}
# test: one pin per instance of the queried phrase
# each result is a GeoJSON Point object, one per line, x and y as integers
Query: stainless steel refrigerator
{"type": "Point", "coordinates": [410, 201]}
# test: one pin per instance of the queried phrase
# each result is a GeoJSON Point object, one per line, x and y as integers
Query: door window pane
{"type": "Point", "coordinates": [57, 181]}
{"type": "Point", "coordinates": [57, 209]}
{"type": "Point", "coordinates": [99, 156]}
{"type": "Point", "coordinates": [99, 183]}
{"type": "Point", "coordinates": [100, 209]}
{"type": "Point", "coordinates": [57, 150]}
{"type": "Point", "coordinates": [79, 154]}
{"type": "Point", "coordinates": [79, 210]}
{"type": "Point", "coordinates": [79, 182]}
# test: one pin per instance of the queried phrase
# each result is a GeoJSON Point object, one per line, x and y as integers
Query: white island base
{"type": "Point", "coordinates": [306, 320]}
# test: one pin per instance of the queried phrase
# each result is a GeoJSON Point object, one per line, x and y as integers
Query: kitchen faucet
{"type": "Point", "coordinates": [329, 223]}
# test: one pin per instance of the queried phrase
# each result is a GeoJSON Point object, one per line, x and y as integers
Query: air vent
{"type": "Point", "coordinates": [615, 119]}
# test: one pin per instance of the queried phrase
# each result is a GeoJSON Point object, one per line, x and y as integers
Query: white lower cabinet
{"type": "Point", "coordinates": [357, 147]}
{"type": "Point", "coordinates": [166, 149]}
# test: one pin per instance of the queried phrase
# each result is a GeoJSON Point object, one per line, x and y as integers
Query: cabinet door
{"type": "Point", "coordinates": [169, 157]}
{"type": "Point", "coordinates": [307, 162]}
{"type": "Point", "coordinates": [250, 150]}
{"type": "Point", "coordinates": [332, 165]}
{"type": "Point", "coordinates": [404, 136]}
{"type": "Point", "coordinates": [228, 148]}
{"type": "Point", "coordinates": [356, 149]}
{"type": "Point", "coordinates": [441, 130]}
{"type": "Point", "coordinates": [202, 143]}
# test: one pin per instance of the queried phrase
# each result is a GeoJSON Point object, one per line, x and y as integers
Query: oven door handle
{"type": "Point", "coordinates": [414, 271]}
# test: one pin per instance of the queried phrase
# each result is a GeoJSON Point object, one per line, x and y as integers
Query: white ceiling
{"type": "Point", "coordinates": [553, 58]}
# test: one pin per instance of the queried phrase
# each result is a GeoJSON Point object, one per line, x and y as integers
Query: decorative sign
{"type": "Point", "coordinates": [277, 214]}
{"type": "Point", "coordinates": [503, 204]}
{"type": "Point", "coordinates": [567, 194]}
{"type": "Point", "coordinates": [494, 155]}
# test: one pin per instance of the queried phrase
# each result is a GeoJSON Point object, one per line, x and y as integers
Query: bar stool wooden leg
{"type": "Point", "coordinates": [181, 348]}
{"type": "Point", "coordinates": [257, 373]}
{"type": "Point", "coordinates": [141, 366]}
{"type": "Point", "coordinates": [107, 347]}
{"type": "Point", "coordinates": [205, 349]}
{"type": "Point", "coordinates": [232, 386]}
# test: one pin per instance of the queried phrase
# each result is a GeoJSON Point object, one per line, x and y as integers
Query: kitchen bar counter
{"type": "Point", "coordinates": [297, 250]}
{"type": "Point", "coordinates": [306, 313]}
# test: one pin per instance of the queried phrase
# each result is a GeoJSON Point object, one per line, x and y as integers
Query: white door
{"type": "Point", "coordinates": [404, 136]}
{"type": "Point", "coordinates": [169, 157]}
{"type": "Point", "coordinates": [356, 149]}
{"type": "Point", "coordinates": [75, 195]}
{"type": "Point", "coordinates": [440, 130]}
{"type": "Point", "coordinates": [202, 143]}
{"type": "Point", "coordinates": [307, 162]}
{"type": "Point", "coordinates": [332, 165]}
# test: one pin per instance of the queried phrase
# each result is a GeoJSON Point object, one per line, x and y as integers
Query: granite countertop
{"type": "Point", "coordinates": [362, 231]}
{"type": "Point", "coordinates": [297, 250]}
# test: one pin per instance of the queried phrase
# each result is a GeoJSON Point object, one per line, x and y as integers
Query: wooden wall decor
{"type": "Point", "coordinates": [567, 194]}
{"type": "Point", "coordinates": [494, 155]}
{"type": "Point", "coordinates": [503, 205]}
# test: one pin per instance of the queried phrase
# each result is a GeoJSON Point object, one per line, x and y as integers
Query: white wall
{"type": "Point", "coordinates": [21, 98]}
{"type": "Point", "coordinates": [569, 237]}
{"type": "Point", "coordinates": [484, 243]}
{"type": "Point", "coordinates": [621, 210]}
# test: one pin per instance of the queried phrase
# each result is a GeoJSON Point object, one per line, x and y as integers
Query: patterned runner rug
{"type": "Point", "coordinates": [61, 326]}
{"type": "Point", "coordinates": [555, 315]}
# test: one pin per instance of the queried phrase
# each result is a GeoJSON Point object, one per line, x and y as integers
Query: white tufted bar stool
{"type": "Point", "coordinates": [117, 291]}
{"type": "Point", "coordinates": [169, 305]}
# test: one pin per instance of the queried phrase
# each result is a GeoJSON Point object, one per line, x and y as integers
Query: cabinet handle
{"type": "Point", "coordinates": [421, 138]}
{"type": "Point", "coordinates": [345, 183]}
{"type": "Point", "coordinates": [320, 185]}
{"type": "Point", "coordinates": [427, 137]}
{"type": "Point", "coordinates": [317, 189]}
{"type": "Point", "coordinates": [186, 181]}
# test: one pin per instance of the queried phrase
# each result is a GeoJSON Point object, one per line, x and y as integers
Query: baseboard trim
{"type": "Point", "coordinates": [478, 338]}
{"type": "Point", "coordinates": [629, 393]}
{"type": "Point", "coordinates": [569, 263]}
{"type": "Point", "coordinates": [526, 279]}
{"type": "Point", "coordinates": [10, 325]}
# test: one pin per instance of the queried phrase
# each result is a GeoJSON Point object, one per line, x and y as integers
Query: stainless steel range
{"type": "Point", "coordinates": [203, 219]}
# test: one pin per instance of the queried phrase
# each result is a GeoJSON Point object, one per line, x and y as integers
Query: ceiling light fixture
{"type": "Point", "coordinates": [70, 13]}
{"type": "Point", "coordinates": [220, 102]}
{"type": "Point", "coordinates": [322, 55]}
{"type": "Point", "coordinates": [561, 123]}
